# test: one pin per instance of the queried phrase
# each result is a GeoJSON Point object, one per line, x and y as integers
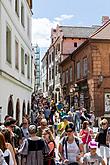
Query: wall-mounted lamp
{"type": "Point", "coordinates": [100, 79]}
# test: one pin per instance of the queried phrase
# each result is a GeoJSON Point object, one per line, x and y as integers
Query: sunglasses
{"type": "Point", "coordinates": [44, 133]}
{"type": "Point", "coordinates": [44, 124]}
{"type": "Point", "coordinates": [104, 123]}
{"type": "Point", "coordinates": [69, 131]}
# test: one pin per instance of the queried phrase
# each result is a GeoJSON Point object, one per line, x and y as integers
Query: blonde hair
{"type": "Point", "coordinates": [48, 131]}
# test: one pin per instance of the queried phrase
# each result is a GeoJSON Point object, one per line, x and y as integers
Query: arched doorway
{"type": "Point", "coordinates": [28, 108]}
{"type": "Point", "coordinates": [23, 109]}
{"type": "Point", "coordinates": [18, 111]}
{"type": "Point", "coordinates": [10, 106]}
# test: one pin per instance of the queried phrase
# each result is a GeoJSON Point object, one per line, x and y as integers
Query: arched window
{"type": "Point", "coordinates": [10, 106]}
{"type": "Point", "coordinates": [18, 111]}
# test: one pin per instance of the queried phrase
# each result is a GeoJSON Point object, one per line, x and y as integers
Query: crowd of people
{"type": "Point", "coordinates": [33, 142]}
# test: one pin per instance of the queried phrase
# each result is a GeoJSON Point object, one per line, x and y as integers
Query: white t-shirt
{"type": "Point", "coordinates": [92, 160]}
{"type": "Point", "coordinates": [2, 160]}
{"type": "Point", "coordinates": [72, 150]}
{"type": "Point", "coordinates": [8, 153]}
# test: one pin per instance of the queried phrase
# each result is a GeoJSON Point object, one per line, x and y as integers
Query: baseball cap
{"type": "Point", "coordinates": [93, 144]}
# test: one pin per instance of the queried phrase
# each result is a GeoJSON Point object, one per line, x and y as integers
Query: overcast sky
{"type": "Point", "coordinates": [48, 13]}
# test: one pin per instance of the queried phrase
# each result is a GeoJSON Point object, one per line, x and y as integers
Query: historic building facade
{"type": "Point", "coordinates": [16, 58]}
{"type": "Point", "coordinates": [91, 72]}
{"type": "Point", "coordinates": [64, 40]}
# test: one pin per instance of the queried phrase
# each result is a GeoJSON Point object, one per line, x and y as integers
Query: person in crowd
{"type": "Point", "coordinates": [84, 115]}
{"type": "Point", "coordinates": [48, 137]}
{"type": "Point", "coordinates": [92, 158]}
{"type": "Point", "coordinates": [59, 106]}
{"type": "Point", "coordinates": [2, 160]}
{"type": "Point", "coordinates": [33, 149]}
{"type": "Point", "coordinates": [43, 125]}
{"type": "Point", "coordinates": [6, 152]}
{"type": "Point", "coordinates": [70, 117]}
{"type": "Point", "coordinates": [52, 112]}
{"type": "Point", "coordinates": [70, 147]}
{"type": "Point", "coordinates": [8, 142]}
{"type": "Point", "coordinates": [47, 113]}
{"type": "Point", "coordinates": [101, 138]}
{"type": "Point", "coordinates": [15, 131]}
{"type": "Point", "coordinates": [77, 120]}
{"type": "Point", "coordinates": [62, 125]}
{"type": "Point", "coordinates": [62, 114]}
{"type": "Point", "coordinates": [24, 129]}
{"type": "Point", "coordinates": [92, 118]}
{"type": "Point", "coordinates": [56, 122]}
{"type": "Point", "coordinates": [39, 117]}
{"type": "Point", "coordinates": [86, 135]}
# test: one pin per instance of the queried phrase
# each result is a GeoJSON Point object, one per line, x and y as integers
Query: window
{"type": "Point", "coordinates": [75, 44]}
{"type": "Point", "coordinates": [50, 58]}
{"type": "Point", "coordinates": [56, 70]}
{"type": "Point", "coordinates": [0, 113]}
{"type": "Point", "coordinates": [43, 86]}
{"type": "Point", "coordinates": [16, 55]}
{"type": "Point", "coordinates": [63, 78]}
{"type": "Point", "coordinates": [8, 45]}
{"type": "Point", "coordinates": [22, 14]}
{"type": "Point", "coordinates": [22, 60]}
{"type": "Point", "coordinates": [49, 73]}
{"type": "Point", "coordinates": [17, 7]}
{"type": "Point", "coordinates": [78, 70]}
{"type": "Point", "coordinates": [53, 72]}
{"type": "Point", "coordinates": [66, 76]}
{"type": "Point", "coordinates": [31, 67]}
{"type": "Point", "coordinates": [58, 47]}
{"type": "Point", "coordinates": [28, 67]}
{"type": "Point", "coordinates": [71, 74]}
{"type": "Point", "coordinates": [28, 27]}
{"type": "Point", "coordinates": [85, 67]}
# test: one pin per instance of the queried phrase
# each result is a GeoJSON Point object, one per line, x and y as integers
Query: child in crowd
{"type": "Point", "coordinates": [92, 158]}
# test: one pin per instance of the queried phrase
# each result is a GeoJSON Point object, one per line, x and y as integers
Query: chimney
{"type": "Point", "coordinates": [105, 19]}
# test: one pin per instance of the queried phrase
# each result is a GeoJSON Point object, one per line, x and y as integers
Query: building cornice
{"type": "Point", "coordinates": [14, 80]}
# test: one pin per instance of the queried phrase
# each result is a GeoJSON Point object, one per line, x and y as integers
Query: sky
{"type": "Point", "coordinates": [48, 13]}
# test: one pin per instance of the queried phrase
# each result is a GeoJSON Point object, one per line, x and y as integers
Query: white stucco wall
{"type": "Point", "coordinates": [6, 88]}
{"type": "Point", "coordinates": [12, 82]}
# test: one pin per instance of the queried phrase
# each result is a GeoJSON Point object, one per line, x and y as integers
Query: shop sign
{"type": "Point", "coordinates": [107, 102]}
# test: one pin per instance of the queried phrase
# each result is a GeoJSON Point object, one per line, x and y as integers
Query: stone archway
{"type": "Point", "coordinates": [28, 108]}
{"type": "Point", "coordinates": [23, 109]}
{"type": "Point", "coordinates": [18, 111]}
{"type": "Point", "coordinates": [10, 106]}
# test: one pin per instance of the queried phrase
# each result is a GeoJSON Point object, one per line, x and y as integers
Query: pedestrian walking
{"type": "Point", "coordinates": [86, 135]}
{"type": "Point", "coordinates": [92, 158]}
{"type": "Point", "coordinates": [102, 140]}
{"type": "Point", "coordinates": [48, 137]}
{"type": "Point", "coordinates": [33, 149]}
{"type": "Point", "coordinates": [70, 147]}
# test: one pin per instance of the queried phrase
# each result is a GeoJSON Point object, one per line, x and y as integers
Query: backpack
{"type": "Point", "coordinates": [64, 142]}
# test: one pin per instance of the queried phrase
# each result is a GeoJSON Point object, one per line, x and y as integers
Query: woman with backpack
{"type": "Point", "coordinates": [70, 147]}
{"type": "Point", "coordinates": [48, 137]}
